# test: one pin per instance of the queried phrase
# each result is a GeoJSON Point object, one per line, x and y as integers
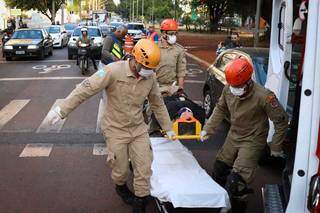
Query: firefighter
{"type": "Point", "coordinates": [112, 46]}
{"type": "Point", "coordinates": [249, 107]}
{"type": "Point", "coordinates": [127, 85]}
{"type": "Point", "coordinates": [172, 67]}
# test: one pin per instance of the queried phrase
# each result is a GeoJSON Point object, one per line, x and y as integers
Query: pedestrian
{"type": "Point", "coordinates": [152, 34]}
{"type": "Point", "coordinates": [233, 41]}
{"type": "Point", "coordinates": [127, 85]}
{"type": "Point", "coordinates": [112, 49]}
{"type": "Point", "coordinates": [249, 107]}
{"type": "Point", "coordinates": [84, 38]}
{"type": "Point", "coordinates": [173, 66]}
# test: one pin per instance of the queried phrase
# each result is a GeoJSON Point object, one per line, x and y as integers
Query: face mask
{"type": "Point", "coordinates": [237, 91]}
{"type": "Point", "coordinates": [145, 73]}
{"type": "Point", "coordinates": [172, 39]}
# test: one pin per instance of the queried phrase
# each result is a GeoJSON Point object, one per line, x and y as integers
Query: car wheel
{"type": "Point", "coordinates": [208, 103]}
{"type": "Point", "coordinates": [42, 54]}
{"type": "Point", "coordinates": [8, 58]}
{"type": "Point", "coordinates": [51, 51]}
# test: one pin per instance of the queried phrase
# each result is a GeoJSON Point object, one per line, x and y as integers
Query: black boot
{"type": "Point", "coordinates": [139, 205]}
{"type": "Point", "coordinates": [125, 193]}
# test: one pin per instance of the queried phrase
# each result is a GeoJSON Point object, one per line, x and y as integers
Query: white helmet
{"type": "Point", "coordinates": [84, 29]}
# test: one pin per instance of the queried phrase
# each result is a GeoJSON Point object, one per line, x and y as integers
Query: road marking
{"type": "Point", "coordinates": [36, 150]}
{"type": "Point", "coordinates": [199, 103]}
{"type": "Point", "coordinates": [194, 81]}
{"type": "Point", "coordinates": [42, 78]}
{"type": "Point", "coordinates": [10, 110]}
{"type": "Point", "coordinates": [34, 61]}
{"type": "Point", "coordinates": [99, 149]}
{"type": "Point", "coordinates": [45, 126]}
{"type": "Point", "coordinates": [48, 69]}
{"type": "Point", "coordinates": [100, 115]}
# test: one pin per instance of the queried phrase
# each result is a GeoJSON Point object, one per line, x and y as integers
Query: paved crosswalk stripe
{"type": "Point", "coordinates": [45, 126]}
{"type": "Point", "coordinates": [43, 78]}
{"type": "Point", "coordinates": [100, 114]}
{"type": "Point", "coordinates": [99, 149]}
{"type": "Point", "coordinates": [36, 150]}
{"type": "Point", "coordinates": [10, 110]}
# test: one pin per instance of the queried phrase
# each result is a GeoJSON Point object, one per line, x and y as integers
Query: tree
{"type": "Point", "coordinates": [43, 6]}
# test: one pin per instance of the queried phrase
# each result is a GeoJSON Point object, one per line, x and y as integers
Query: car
{"type": "Point", "coordinates": [94, 33]}
{"type": "Point", "coordinates": [106, 29]}
{"type": "Point", "coordinates": [28, 42]}
{"type": "Point", "coordinates": [59, 35]}
{"type": "Point", "coordinates": [115, 24]}
{"type": "Point", "coordinates": [215, 79]}
{"type": "Point", "coordinates": [70, 28]}
{"type": "Point", "coordinates": [136, 30]}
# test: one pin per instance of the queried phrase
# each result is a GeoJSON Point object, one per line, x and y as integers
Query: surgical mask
{"type": "Point", "coordinates": [172, 39]}
{"type": "Point", "coordinates": [145, 73]}
{"type": "Point", "coordinates": [237, 91]}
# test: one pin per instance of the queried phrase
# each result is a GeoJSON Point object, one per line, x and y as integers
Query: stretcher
{"type": "Point", "coordinates": [177, 178]}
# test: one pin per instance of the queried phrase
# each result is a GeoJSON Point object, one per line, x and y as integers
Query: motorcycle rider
{"type": "Point", "coordinates": [249, 107]}
{"type": "Point", "coordinates": [127, 85]}
{"type": "Point", "coordinates": [84, 38]}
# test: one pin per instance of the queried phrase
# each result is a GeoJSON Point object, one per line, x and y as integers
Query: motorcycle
{"type": "Point", "coordinates": [83, 54]}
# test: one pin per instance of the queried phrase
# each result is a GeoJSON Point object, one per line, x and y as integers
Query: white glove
{"type": "Point", "coordinates": [54, 115]}
{"type": "Point", "coordinates": [203, 135]}
{"type": "Point", "coordinates": [171, 135]}
{"type": "Point", "coordinates": [278, 154]}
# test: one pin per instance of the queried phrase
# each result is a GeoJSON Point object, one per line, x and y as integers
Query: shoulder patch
{"type": "Point", "coordinates": [273, 101]}
{"type": "Point", "coordinates": [102, 72]}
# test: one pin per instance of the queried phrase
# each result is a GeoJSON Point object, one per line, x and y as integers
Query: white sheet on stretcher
{"type": "Point", "coordinates": [178, 178]}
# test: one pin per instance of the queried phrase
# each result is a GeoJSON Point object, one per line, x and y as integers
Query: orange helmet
{"type": "Point", "coordinates": [169, 25]}
{"type": "Point", "coordinates": [238, 72]}
{"type": "Point", "coordinates": [147, 53]}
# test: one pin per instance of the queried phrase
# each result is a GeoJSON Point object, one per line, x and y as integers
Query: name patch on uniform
{"type": "Point", "coordinates": [272, 100]}
{"type": "Point", "coordinates": [86, 83]}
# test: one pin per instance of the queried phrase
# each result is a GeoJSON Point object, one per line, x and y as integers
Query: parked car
{"type": "Point", "coordinates": [59, 35]}
{"type": "Point", "coordinates": [115, 24]}
{"type": "Point", "coordinates": [94, 33]}
{"type": "Point", "coordinates": [136, 30]}
{"type": "Point", "coordinates": [28, 42]}
{"type": "Point", "coordinates": [215, 80]}
{"type": "Point", "coordinates": [70, 28]}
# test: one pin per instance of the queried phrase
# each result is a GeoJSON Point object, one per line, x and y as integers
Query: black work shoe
{"type": "Point", "coordinates": [125, 193]}
{"type": "Point", "coordinates": [139, 205]}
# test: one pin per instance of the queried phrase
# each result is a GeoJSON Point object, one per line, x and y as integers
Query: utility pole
{"type": "Point", "coordinates": [79, 9]}
{"type": "Point", "coordinates": [53, 12]}
{"type": "Point", "coordinates": [257, 23]}
{"type": "Point", "coordinates": [137, 10]}
{"type": "Point", "coordinates": [152, 12]}
{"type": "Point", "coordinates": [132, 10]}
{"type": "Point", "coordinates": [62, 14]}
{"type": "Point", "coordinates": [175, 9]}
{"type": "Point", "coordinates": [142, 10]}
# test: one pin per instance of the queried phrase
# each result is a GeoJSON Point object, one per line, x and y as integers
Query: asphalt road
{"type": "Point", "coordinates": [70, 177]}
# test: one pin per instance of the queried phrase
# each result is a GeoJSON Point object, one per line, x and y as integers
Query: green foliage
{"type": "Point", "coordinates": [41, 5]}
{"type": "Point", "coordinates": [162, 9]}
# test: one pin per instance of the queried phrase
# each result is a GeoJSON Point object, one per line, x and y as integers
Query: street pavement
{"type": "Point", "coordinates": [62, 168]}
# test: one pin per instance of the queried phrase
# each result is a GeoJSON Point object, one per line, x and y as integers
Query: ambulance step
{"type": "Point", "coordinates": [271, 194]}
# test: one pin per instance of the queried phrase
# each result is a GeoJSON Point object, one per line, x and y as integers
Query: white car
{"type": "Point", "coordinates": [136, 30]}
{"type": "Point", "coordinates": [59, 35]}
{"type": "Point", "coordinates": [94, 33]}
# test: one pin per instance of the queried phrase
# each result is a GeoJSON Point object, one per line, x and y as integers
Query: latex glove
{"type": "Point", "coordinates": [278, 154]}
{"type": "Point", "coordinates": [54, 116]}
{"type": "Point", "coordinates": [203, 135]}
{"type": "Point", "coordinates": [171, 135]}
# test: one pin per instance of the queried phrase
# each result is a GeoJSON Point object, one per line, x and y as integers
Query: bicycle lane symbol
{"type": "Point", "coordinates": [48, 69]}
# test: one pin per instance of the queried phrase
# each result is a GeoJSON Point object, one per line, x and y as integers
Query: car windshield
{"type": "Point", "coordinates": [261, 69]}
{"type": "Point", "coordinates": [92, 32]}
{"type": "Point", "coordinates": [28, 34]}
{"type": "Point", "coordinates": [135, 27]}
{"type": "Point", "coordinates": [70, 26]}
{"type": "Point", "coordinates": [116, 24]}
{"type": "Point", "coordinates": [54, 30]}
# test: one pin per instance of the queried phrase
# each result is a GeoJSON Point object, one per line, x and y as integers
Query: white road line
{"type": "Point", "coordinates": [10, 110]}
{"type": "Point", "coordinates": [194, 81]}
{"type": "Point", "coordinates": [100, 114]}
{"type": "Point", "coordinates": [45, 126]}
{"type": "Point", "coordinates": [43, 78]}
{"type": "Point", "coordinates": [36, 150]}
{"type": "Point", "coordinates": [198, 102]}
{"type": "Point", "coordinates": [99, 149]}
{"type": "Point", "coordinates": [38, 61]}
